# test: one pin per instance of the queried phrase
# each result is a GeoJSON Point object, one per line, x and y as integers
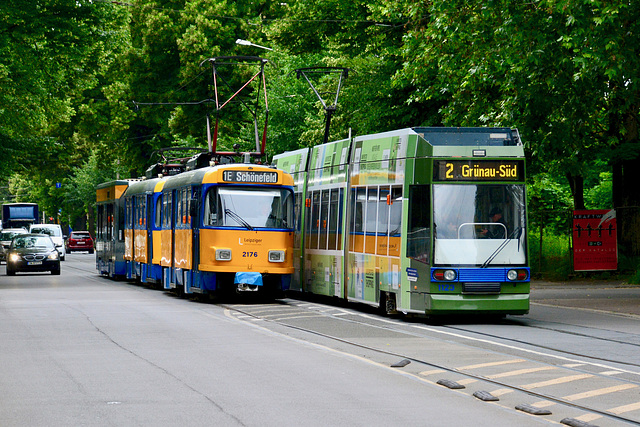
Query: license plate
{"type": "Point", "coordinates": [80, 242]}
{"type": "Point", "coordinates": [34, 263]}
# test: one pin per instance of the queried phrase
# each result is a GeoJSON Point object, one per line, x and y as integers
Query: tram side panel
{"type": "Point", "coordinates": [295, 163]}
{"type": "Point", "coordinates": [110, 228]}
{"type": "Point", "coordinates": [325, 213]}
{"type": "Point", "coordinates": [376, 210]}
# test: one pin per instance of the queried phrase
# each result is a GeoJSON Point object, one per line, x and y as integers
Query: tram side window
{"type": "Point", "coordinates": [212, 214]}
{"type": "Point", "coordinates": [120, 219]}
{"type": "Point", "coordinates": [166, 212]}
{"type": "Point", "coordinates": [324, 219]}
{"type": "Point", "coordinates": [395, 212]}
{"type": "Point", "coordinates": [158, 213]}
{"type": "Point", "coordinates": [314, 229]}
{"type": "Point", "coordinates": [358, 204]}
{"type": "Point", "coordinates": [418, 235]}
{"type": "Point", "coordinates": [101, 223]}
{"type": "Point", "coordinates": [335, 215]}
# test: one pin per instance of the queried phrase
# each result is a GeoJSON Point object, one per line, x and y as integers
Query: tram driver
{"type": "Point", "coordinates": [498, 228]}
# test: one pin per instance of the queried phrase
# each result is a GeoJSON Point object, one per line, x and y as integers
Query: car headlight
{"type": "Point", "coordinates": [223, 254]}
{"type": "Point", "coordinates": [14, 257]}
{"type": "Point", "coordinates": [276, 256]}
{"type": "Point", "coordinates": [53, 255]}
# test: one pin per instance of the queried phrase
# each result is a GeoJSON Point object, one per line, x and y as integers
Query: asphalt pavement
{"type": "Point", "coordinates": [614, 296]}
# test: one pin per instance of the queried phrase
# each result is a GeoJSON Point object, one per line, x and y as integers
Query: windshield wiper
{"type": "Point", "coordinates": [238, 219]}
{"type": "Point", "coordinates": [502, 246]}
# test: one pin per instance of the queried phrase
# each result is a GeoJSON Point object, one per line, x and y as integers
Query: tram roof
{"type": "Point", "coordinates": [440, 136]}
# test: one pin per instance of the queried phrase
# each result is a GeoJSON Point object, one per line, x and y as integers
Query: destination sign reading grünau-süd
{"type": "Point", "coordinates": [478, 170]}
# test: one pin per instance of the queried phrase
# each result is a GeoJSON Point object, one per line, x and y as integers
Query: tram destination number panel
{"type": "Point", "coordinates": [478, 170]}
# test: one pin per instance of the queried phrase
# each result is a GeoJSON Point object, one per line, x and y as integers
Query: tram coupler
{"type": "Point", "coordinates": [243, 287]}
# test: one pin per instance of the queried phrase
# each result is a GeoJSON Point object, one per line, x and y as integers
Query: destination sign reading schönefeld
{"type": "Point", "coordinates": [478, 170]}
{"type": "Point", "coordinates": [251, 177]}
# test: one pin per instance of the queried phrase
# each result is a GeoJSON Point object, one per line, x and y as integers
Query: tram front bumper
{"type": "Point", "coordinates": [468, 304]}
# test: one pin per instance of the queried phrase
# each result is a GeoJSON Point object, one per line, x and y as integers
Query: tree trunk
{"type": "Point", "coordinates": [626, 190]}
{"type": "Point", "coordinates": [576, 183]}
{"type": "Point", "coordinates": [626, 201]}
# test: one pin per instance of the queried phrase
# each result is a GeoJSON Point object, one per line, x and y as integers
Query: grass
{"type": "Point", "coordinates": [554, 261]}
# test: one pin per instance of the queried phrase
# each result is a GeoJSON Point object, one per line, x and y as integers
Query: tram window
{"type": "Point", "coordinates": [395, 212]}
{"type": "Point", "coordinates": [383, 212]}
{"type": "Point", "coordinates": [185, 206]}
{"type": "Point", "coordinates": [212, 208]}
{"type": "Point", "coordinates": [315, 220]}
{"type": "Point", "coordinates": [100, 216]}
{"type": "Point", "coordinates": [143, 209]}
{"type": "Point", "coordinates": [120, 218]}
{"type": "Point", "coordinates": [169, 211]}
{"type": "Point", "coordinates": [158, 213]}
{"type": "Point", "coordinates": [418, 235]}
{"type": "Point", "coordinates": [178, 208]}
{"type": "Point", "coordinates": [334, 240]}
{"type": "Point", "coordinates": [324, 219]}
{"type": "Point", "coordinates": [358, 206]}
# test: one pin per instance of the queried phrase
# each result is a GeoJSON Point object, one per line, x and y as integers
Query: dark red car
{"type": "Point", "coordinates": [79, 241]}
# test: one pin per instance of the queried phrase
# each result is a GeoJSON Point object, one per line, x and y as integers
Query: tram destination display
{"type": "Point", "coordinates": [250, 177]}
{"type": "Point", "coordinates": [478, 170]}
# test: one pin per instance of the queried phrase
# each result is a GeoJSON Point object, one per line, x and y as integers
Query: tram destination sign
{"type": "Point", "coordinates": [478, 170]}
{"type": "Point", "coordinates": [250, 177]}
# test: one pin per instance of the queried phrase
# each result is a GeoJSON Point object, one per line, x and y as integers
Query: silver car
{"type": "Point", "coordinates": [6, 236]}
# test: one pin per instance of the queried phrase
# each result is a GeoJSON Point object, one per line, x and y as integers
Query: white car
{"type": "Point", "coordinates": [55, 232]}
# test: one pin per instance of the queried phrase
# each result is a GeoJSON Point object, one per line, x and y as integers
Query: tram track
{"type": "Point", "coordinates": [284, 321]}
{"type": "Point", "coordinates": [555, 349]}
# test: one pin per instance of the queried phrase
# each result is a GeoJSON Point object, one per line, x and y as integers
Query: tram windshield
{"type": "Point", "coordinates": [479, 225]}
{"type": "Point", "coordinates": [249, 207]}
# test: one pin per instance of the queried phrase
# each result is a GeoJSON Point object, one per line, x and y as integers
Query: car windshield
{"type": "Point", "coordinates": [45, 230]}
{"type": "Point", "coordinates": [36, 242]}
{"type": "Point", "coordinates": [80, 236]}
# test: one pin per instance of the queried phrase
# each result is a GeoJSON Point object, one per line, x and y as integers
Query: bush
{"type": "Point", "coordinates": [554, 262]}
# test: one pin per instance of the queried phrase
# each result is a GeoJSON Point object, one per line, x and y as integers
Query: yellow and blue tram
{"type": "Point", "coordinates": [218, 228]}
{"type": "Point", "coordinates": [420, 220]}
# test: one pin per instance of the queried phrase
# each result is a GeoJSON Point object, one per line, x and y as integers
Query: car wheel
{"type": "Point", "coordinates": [62, 258]}
{"type": "Point", "coordinates": [55, 272]}
{"type": "Point", "coordinates": [90, 251]}
{"type": "Point", "coordinates": [10, 272]}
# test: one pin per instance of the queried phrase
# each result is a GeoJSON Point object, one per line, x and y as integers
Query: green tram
{"type": "Point", "coordinates": [420, 220]}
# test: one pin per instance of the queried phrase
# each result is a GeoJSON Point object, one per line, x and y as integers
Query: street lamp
{"type": "Point", "coordinates": [248, 43]}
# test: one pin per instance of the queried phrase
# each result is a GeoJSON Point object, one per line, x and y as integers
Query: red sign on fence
{"type": "Point", "coordinates": [595, 245]}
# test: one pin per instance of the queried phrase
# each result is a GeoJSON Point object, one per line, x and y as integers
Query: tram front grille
{"type": "Point", "coordinates": [481, 288]}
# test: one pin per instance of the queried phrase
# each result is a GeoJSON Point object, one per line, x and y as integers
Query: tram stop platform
{"type": "Point", "coordinates": [614, 296]}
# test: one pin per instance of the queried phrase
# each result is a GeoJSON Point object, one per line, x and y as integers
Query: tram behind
{"type": "Point", "coordinates": [207, 230]}
{"type": "Point", "coordinates": [422, 220]}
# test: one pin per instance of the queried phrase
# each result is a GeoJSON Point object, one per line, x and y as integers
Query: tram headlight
{"type": "Point", "coordinates": [223, 254]}
{"type": "Point", "coordinates": [516, 275]}
{"type": "Point", "coordinates": [448, 275]}
{"type": "Point", "coordinates": [276, 256]}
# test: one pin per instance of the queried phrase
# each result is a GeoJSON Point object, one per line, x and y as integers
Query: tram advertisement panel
{"type": "Point", "coordinates": [595, 245]}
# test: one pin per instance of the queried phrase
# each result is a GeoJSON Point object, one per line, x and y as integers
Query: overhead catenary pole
{"type": "Point", "coordinates": [328, 109]}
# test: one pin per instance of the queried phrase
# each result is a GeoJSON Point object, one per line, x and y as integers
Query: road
{"type": "Point", "coordinates": [79, 349]}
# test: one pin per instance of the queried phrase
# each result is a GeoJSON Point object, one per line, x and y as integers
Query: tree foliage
{"type": "Point", "coordinates": [564, 72]}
